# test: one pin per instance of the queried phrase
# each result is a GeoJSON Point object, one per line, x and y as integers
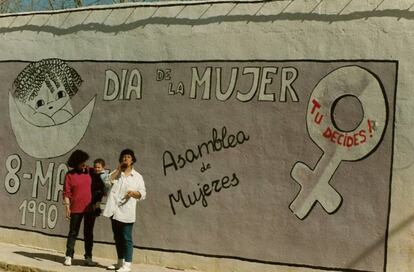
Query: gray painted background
{"type": "Point", "coordinates": [251, 220]}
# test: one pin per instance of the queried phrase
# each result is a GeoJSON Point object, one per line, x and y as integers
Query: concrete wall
{"type": "Point", "coordinates": [270, 135]}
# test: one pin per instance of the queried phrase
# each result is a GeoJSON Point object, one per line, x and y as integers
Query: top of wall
{"type": "Point", "coordinates": [260, 8]}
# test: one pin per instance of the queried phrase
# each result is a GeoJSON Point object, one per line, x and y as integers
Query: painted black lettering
{"type": "Point", "coordinates": [171, 162]}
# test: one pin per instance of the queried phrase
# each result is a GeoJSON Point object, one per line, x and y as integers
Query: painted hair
{"type": "Point", "coordinates": [28, 82]}
{"type": "Point", "coordinates": [127, 152]}
{"type": "Point", "coordinates": [77, 157]}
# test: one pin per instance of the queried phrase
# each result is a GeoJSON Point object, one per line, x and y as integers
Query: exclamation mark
{"type": "Point", "coordinates": [370, 128]}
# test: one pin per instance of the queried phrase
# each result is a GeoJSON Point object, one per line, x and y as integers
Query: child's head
{"type": "Point", "coordinates": [99, 165]}
{"type": "Point", "coordinates": [47, 85]}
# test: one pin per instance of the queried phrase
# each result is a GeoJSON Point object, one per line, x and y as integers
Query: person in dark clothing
{"type": "Point", "coordinates": [97, 186]}
{"type": "Point", "coordinates": [77, 200]}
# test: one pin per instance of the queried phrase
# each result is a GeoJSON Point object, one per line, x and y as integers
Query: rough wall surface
{"type": "Point", "coordinates": [270, 135]}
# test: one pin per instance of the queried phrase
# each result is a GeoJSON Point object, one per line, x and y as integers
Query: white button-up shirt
{"type": "Point", "coordinates": [124, 209]}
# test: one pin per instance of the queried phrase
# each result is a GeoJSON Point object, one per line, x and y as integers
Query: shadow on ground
{"type": "Point", "coordinates": [52, 257]}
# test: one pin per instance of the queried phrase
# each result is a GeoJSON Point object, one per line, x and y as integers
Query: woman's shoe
{"type": "Point", "coordinates": [117, 265]}
{"type": "Point", "coordinates": [125, 268]}
{"type": "Point", "coordinates": [68, 261]}
{"type": "Point", "coordinates": [89, 262]}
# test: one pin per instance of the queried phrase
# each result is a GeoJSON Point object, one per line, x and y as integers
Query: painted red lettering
{"type": "Point", "coordinates": [327, 133]}
{"type": "Point", "coordinates": [334, 136]}
{"type": "Point", "coordinates": [339, 139]}
{"type": "Point", "coordinates": [356, 139]}
{"type": "Point", "coordinates": [318, 118]}
{"type": "Point", "coordinates": [362, 133]}
{"type": "Point", "coordinates": [349, 141]}
{"type": "Point", "coordinates": [316, 105]}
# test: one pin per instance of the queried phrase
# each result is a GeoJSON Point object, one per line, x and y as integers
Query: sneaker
{"type": "Point", "coordinates": [88, 262]}
{"type": "Point", "coordinates": [68, 261]}
{"type": "Point", "coordinates": [124, 268]}
{"type": "Point", "coordinates": [113, 267]}
{"type": "Point", "coordinates": [117, 265]}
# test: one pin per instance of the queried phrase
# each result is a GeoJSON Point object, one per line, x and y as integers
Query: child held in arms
{"type": "Point", "coordinates": [99, 176]}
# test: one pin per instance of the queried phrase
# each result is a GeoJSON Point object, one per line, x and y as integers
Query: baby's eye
{"type": "Point", "coordinates": [40, 103]}
{"type": "Point", "coordinates": [61, 94]}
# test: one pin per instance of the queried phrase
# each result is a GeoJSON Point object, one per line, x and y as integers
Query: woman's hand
{"type": "Point", "coordinates": [67, 211]}
{"type": "Point", "coordinates": [123, 167]}
{"type": "Point", "coordinates": [136, 195]}
{"type": "Point", "coordinates": [115, 174]}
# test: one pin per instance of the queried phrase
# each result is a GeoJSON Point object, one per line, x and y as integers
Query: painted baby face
{"type": "Point", "coordinates": [48, 102]}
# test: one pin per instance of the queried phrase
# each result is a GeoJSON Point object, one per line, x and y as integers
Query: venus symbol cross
{"type": "Point", "coordinates": [315, 186]}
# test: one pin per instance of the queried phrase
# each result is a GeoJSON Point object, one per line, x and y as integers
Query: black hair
{"type": "Point", "coordinates": [77, 158]}
{"type": "Point", "coordinates": [100, 161]}
{"type": "Point", "coordinates": [127, 152]}
{"type": "Point", "coordinates": [28, 82]}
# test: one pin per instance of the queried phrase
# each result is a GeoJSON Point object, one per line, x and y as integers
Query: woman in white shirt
{"type": "Point", "coordinates": [127, 189]}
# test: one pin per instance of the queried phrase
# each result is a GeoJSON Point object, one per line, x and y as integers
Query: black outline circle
{"type": "Point", "coordinates": [333, 109]}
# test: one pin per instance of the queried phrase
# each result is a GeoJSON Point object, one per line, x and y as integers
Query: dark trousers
{"type": "Point", "coordinates": [75, 222]}
{"type": "Point", "coordinates": [123, 239]}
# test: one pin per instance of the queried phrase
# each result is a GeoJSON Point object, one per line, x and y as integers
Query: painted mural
{"type": "Point", "coordinates": [42, 112]}
{"type": "Point", "coordinates": [277, 162]}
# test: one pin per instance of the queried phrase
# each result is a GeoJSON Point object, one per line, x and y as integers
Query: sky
{"type": "Point", "coordinates": [11, 6]}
